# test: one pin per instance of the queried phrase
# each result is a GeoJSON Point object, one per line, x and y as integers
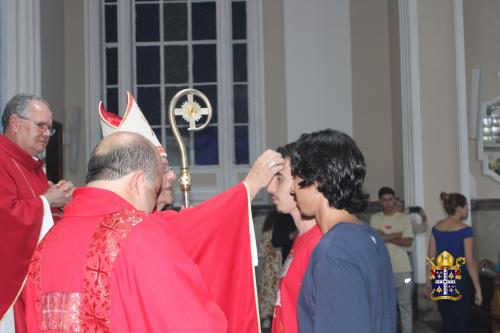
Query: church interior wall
{"type": "Point", "coordinates": [438, 104]}
{"type": "Point", "coordinates": [482, 50]}
{"type": "Point", "coordinates": [317, 66]}
{"type": "Point", "coordinates": [75, 89]}
{"type": "Point", "coordinates": [274, 73]}
{"type": "Point", "coordinates": [395, 82]}
{"type": "Point", "coordinates": [52, 56]}
{"type": "Point", "coordinates": [371, 92]}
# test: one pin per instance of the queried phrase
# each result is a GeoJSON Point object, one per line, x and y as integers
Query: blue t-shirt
{"type": "Point", "coordinates": [349, 284]}
{"type": "Point", "coordinates": [451, 241]}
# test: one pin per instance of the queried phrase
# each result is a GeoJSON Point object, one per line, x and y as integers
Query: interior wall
{"type": "Point", "coordinates": [482, 50]}
{"type": "Point", "coordinates": [274, 73]}
{"type": "Point", "coordinates": [438, 103]}
{"type": "Point", "coordinates": [396, 104]}
{"type": "Point", "coordinates": [317, 66]}
{"type": "Point", "coordinates": [371, 92]}
{"type": "Point", "coordinates": [52, 56]}
{"type": "Point", "coordinates": [74, 78]}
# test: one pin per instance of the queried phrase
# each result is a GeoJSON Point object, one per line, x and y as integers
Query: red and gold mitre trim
{"type": "Point", "coordinates": [133, 121]}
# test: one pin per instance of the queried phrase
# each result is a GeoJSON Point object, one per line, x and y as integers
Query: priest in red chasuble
{"type": "Point", "coordinates": [217, 234]}
{"type": "Point", "coordinates": [110, 265]}
{"type": "Point", "coordinates": [26, 196]}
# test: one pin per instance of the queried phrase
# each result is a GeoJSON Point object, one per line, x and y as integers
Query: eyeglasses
{"type": "Point", "coordinates": [167, 169]}
{"type": "Point", "coordinates": [42, 126]}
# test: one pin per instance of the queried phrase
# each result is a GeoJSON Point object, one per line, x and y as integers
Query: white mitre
{"type": "Point", "coordinates": [133, 121]}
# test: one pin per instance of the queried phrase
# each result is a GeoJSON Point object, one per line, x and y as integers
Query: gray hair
{"type": "Point", "coordinates": [111, 161]}
{"type": "Point", "coordinates": [19, 105]}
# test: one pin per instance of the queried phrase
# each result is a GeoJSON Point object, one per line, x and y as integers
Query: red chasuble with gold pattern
{"type": "Point", "coordinates": [22, 181]}
{"type": "Point", "coordinates": [108, 268]}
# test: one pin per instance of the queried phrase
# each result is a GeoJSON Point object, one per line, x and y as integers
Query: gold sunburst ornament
{"type": "Point", "coordinates": [191, 111]}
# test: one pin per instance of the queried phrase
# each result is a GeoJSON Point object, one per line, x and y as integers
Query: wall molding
{"type": "Point", "coordinates": [484, 204]}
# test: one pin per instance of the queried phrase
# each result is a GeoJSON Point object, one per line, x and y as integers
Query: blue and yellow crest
{"type": "Point", "coordinates": [444, 276]}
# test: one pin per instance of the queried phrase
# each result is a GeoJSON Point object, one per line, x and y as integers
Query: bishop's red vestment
{"type": "Point", "coordinates": [106, 267]}
{"type": "Point", "coordinates": [22, 181]}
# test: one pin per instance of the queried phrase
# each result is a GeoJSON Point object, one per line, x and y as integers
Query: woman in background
{"type": "Point", "coordinates": [455, 237]}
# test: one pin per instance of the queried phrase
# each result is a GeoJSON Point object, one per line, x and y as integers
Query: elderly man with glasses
{"type": "Point", "coordinates": [26, 195]}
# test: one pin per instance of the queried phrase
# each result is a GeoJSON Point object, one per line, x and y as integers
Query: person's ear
{"type": "Point", "coordinates": [13, 121]}
{"type": "Point", "coordinates": [137, 182]}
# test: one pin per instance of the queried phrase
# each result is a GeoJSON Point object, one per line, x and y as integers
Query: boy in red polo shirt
{"type": "Point", "coordinates": [309, 234]}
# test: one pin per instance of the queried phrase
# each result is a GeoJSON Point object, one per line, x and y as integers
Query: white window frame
{"type": "Point", "coordinates": [226, 173]}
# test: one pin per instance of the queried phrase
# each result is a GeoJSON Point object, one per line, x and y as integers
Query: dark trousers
{"type": "Point", "coordinates": [456, 314]}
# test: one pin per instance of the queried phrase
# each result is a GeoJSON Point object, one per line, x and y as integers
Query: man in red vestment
{"type": "Point", "coordinates": [26, 195]}
{"type": "Point", "coordinates": [309, 234]}
{"type": "Point", "coordinates": [217, 234]}
{"type": "Point", "coordinates": [109, 265]}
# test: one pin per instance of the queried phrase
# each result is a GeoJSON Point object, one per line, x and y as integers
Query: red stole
{"type": "Point", "coordinates": [22, 180]}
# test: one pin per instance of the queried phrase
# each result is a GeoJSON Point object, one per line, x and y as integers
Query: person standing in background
{"type": "Point", "coordinates": [307, 236]}
{"type": "Point", "coordinates": [457, 238]}
{"type": "Point", "coordinates": [396, 230]}
{"type": "Point", "coordinates": [26, 195]}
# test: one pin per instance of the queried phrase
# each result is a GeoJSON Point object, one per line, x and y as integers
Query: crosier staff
{"type": "Point", "coordinates": [191, 112]}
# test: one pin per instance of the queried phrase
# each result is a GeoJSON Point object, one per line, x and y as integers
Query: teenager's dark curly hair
{"type": "Point", "coordinates": [333, 160]}
{"type": "Point", "coordinates": [286, 151]}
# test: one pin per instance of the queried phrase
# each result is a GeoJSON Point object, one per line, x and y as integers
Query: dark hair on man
{"type": "Point", "coordinates": [131, 152]}
{"type": "Point", "coordinates": [332, 160]}
{"type": "Point", "coordinates": [451, 201]}
{"type": "Point", "coordinates": [19, 105]}
{"type": "Point", "coordinates": [287, 150]}
{"type": "Point", "coordinates": [386, 190]}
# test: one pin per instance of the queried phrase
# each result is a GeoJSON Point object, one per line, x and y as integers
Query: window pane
{"type": "Point", "coordinates": [241, 144]}
{"type": "Point", "coordinates": [110, 1]}
{"type": "Point", "coordinates": [211, 93]}
{"type": "Point", "coordinates": [111, 66]}
{"type": "Point", "coordinates": [206, 145]}
{"type": "Point", "coordinates": [240, 103]}
{"type": "Point", "coordinates": [176, 64]}
{"type": "Point", "coordinates": [203, 20]}
{"type": "Point", "coordinates": [239, 19]}
{"type": "Point", "coordinates": [148, 65]}
{"type": "Point", "coordinates": [204, 63]}
{"type": "Point", "coordinates": [170, 92]}
{"type": "Point", "coordinates": [147, 23]}
{"type": "Point", "coordinates": [110, 24]}
{"type": "Point", "coordinates": [171, 145]}
{"type": "Point", "coordinates": [149, 101]}
{"type": "Point", "coordinates": [175, 21]}
{"type": "Point", "coordinates": [112, 100]}
{"type": "Point", "coordinates": [240, 62]}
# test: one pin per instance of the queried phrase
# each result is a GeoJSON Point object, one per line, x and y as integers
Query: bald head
{"type": "Point", "coordinates": [120, 154]}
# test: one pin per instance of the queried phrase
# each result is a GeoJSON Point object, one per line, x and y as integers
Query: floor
{"type": "Point", "coordinates": [420, 327]}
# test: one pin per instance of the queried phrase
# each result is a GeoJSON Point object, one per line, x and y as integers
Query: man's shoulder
{"type": "Point", "coordinates": [376, 217]}
{"type": "Point", "coordinates": [402, 217]}
{"type": "Point", "coordinates": [347, 237]}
